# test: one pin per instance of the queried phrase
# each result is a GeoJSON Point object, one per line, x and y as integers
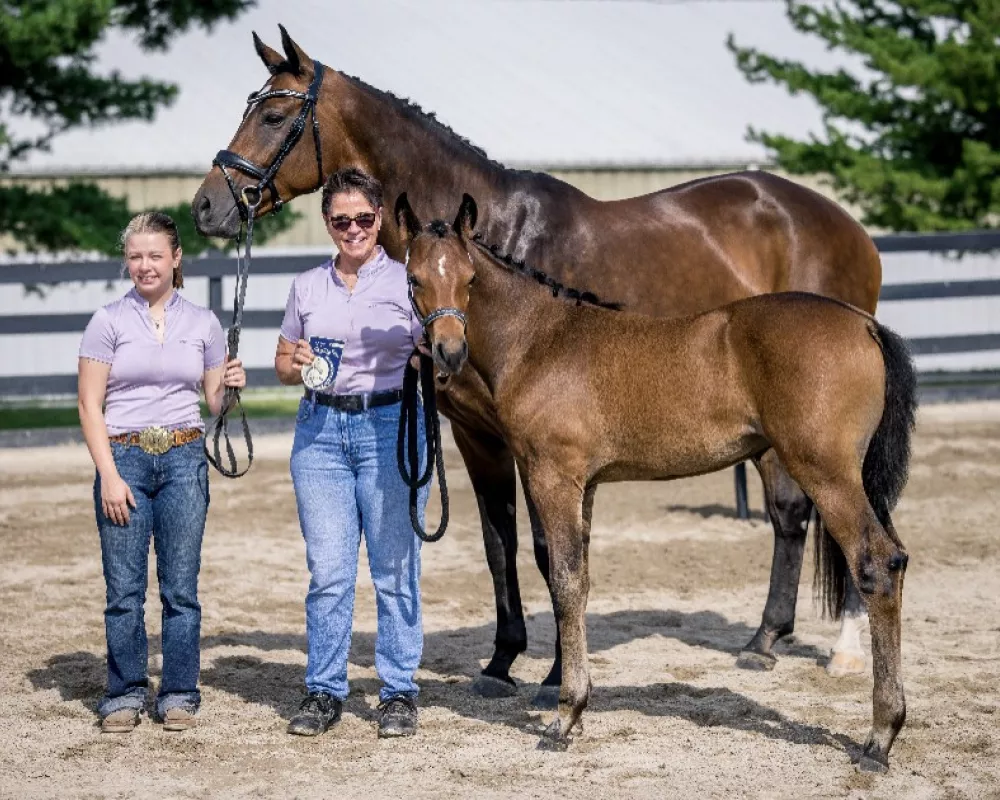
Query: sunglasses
{"type": "Point", "coordinates": [365, 220]}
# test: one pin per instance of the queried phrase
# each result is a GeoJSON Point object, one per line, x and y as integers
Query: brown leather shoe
{"type": "Point", "coordinates": [179, 719]}
{"type": "Point", "coordinates": [123, 720]}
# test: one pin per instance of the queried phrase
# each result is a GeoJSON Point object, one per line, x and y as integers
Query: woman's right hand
{"type": "Point", "coordinates": [303, 354]}
{"type": "Point", "coordinates": [116, 497]}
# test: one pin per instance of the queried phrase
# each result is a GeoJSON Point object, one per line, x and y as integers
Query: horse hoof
{"type": "Point", "coordinates": [842, 665]}
{"type": "Point", "coordinates": [552, 739]}
{"type": "Point", "coordinates": [873, 763]}
{"type": "Point", "coordinates": [547, 698]}
{"type": "Point", "coordinates": [757, 662]}
{"type": "Point", "coordinates": [493, 688]}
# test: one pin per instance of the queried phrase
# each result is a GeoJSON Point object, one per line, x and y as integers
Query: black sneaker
{"type": "Point", "coordinates": [397, 716]}
{"type": "Point", "coordinates": [318, 712]}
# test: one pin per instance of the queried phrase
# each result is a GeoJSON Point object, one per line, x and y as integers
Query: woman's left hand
{"type": "Point", "coordinates": [235, 376]}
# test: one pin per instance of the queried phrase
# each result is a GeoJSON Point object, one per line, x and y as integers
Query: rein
{"type": "Point", "coordinates": [406, 440]}
{"type": "Point", "coordinates": [220, 425]}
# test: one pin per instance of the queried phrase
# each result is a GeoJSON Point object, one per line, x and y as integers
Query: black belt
{"type": "Point", "coordinates": [355, 402]}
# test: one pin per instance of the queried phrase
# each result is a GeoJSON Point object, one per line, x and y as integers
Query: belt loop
{"type": "Point", "coordinates": [366, 401]}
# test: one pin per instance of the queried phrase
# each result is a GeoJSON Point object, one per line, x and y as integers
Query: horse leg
{"type": "Point", "coordinates": [560, 505]}
{"type": "Point", "coordinates": [877, 563]}
{"type": "Point", "coordinates": [491, 470]}
{"type": "Point", "coordinates": [848, 654]}
{"type": "Point", "coordinates": [547, 697]}
{"type": "Point", "coordinates": [789, 509]}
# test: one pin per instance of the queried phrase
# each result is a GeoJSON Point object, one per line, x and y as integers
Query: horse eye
{"type": "Point", "coordinates": [273, 118]}
{"type": "Point", "coordinates": [472, 280]}
{"type": "Point", "coordinates": [412, 281]}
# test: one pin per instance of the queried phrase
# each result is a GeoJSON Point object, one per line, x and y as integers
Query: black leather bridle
{"type": "Point", "coordinates": [265, 175]}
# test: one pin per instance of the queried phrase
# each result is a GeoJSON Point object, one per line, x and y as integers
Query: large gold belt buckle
{"type": "Point", "coordinates": [156, 441]}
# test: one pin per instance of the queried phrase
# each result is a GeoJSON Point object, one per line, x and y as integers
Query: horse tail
{"type": "Point", "coordinates": [886, 465]}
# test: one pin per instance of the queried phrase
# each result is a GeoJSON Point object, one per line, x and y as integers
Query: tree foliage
{"type": "Point", "coordinates": [912, 135]}
{"type": "Point", "coordinates": [50, 83]}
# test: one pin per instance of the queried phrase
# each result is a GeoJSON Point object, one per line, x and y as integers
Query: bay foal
{"type": "Point", "coordinates": [586, 395]}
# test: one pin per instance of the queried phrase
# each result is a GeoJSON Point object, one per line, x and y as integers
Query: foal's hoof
{"type": "Point", "coordinates": [547, 698]}
{"type": "Point", "coordinates": [493, 688]}
{"type": "Point", "coordinates": [872, 762]}
{"type": "Point", "coordinates": [757, 662]}
{"type": "Point", "coordinates": [552, 739]}
{"type": "Point", "coordinates": [842, 665]}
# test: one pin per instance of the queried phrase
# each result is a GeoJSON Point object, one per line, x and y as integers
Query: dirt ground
{"type": "Point", "coordinates": [678, 587]}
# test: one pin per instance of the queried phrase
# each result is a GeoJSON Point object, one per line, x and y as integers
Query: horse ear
{"type": "Point", "coordinates": [295, 55]}
{"type": "Point", "coordinates": [271, 58]}
{"type": "Point", "coordinates": [465, 222]}
{"type": "Point", "coordinates": [405, 218]}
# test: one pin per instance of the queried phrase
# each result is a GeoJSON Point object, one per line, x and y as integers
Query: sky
{"type": "Point", "coordinates": [539, 82]}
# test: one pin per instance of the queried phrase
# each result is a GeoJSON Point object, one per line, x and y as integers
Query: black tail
{"type": "Point", "coordinates": [886, 465]}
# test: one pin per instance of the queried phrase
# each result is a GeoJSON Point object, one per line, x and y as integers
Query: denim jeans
{"type": "Point", "coordinates": [171, 495]}
{"type": "Point", "coordinates": [347, 484]}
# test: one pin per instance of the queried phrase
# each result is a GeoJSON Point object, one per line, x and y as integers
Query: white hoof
{"type": "Point", "coordinates": [841, 665]}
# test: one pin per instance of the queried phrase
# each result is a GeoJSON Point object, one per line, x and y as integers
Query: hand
{"type": "Point", "coordinates": [303, 354]}
{"type": "Point", "coordinates": [423, 348]}
{"type": "Point", "coordinates": [116, 497]}
{"type": "Point", "coordinates": [235, 376]}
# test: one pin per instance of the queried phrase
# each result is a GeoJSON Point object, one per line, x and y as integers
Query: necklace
{"type": "Point", "coordinates": [157, 322]}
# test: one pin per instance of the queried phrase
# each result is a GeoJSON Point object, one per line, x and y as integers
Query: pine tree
{"type": "Point", "coordinates": [48, 77]}
{"type": "Point", "coordinates": [912, 137]}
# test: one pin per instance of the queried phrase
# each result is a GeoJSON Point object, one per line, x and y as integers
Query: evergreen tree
{"type": "Point", "coordinates": [48, 78]}
{"type": "Point", "coordinates": [912, 136]}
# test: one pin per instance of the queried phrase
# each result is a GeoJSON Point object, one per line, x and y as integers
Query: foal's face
{"type": "Point", "coordinates": [440, 272]}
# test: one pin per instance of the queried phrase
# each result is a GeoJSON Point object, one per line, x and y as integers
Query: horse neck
{"type": "Point", "coordinates": [507, 313]}
{"type": "Point", "coordinates": [409, 153]}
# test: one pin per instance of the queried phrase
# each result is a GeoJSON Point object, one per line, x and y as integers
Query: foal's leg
{"type": "Point", "coordinates": [877, 563]}
{"type": "Point", "coordinates": [848, 654]}
{"type": "Point", "coordinates": [547, 697]}
{"type": "Point", "coordinates": [491, 470]}
{"type": "Point", "coordinates": [789, 509]}
{"type": "Point", "coordinates": [559, 503]}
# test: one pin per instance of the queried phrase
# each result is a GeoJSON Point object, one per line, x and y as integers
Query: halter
{"type": "Point", "coordinates": [436, 314]}
{"type": "Point", "coordinates": [265, 176]}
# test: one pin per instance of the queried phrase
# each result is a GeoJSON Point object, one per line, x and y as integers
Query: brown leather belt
{"type": "Point", "coordinates": [157, 441]}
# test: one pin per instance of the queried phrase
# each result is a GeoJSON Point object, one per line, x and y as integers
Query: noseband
{"type": "Point", "coordinates": [436, 314]}
{"type": "Point", "coordinates": [265, 175]}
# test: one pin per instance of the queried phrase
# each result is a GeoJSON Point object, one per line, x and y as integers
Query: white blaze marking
{"type": "Point", "coordinates": [441, 266]}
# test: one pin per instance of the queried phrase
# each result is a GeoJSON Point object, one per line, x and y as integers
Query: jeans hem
{"type": "Point", "coordinates": [133, 700]}
{"type": "Point", "coordinates": [189, 700]}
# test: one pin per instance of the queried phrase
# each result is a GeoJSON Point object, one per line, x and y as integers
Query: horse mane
{"type": "Point", "coordinates": [558, 289]}
{"type": "Point", "coordinates": [427, 117]}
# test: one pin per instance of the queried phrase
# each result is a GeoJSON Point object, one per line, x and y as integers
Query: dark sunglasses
{"type": "Point", "coordinates": [365, 220]}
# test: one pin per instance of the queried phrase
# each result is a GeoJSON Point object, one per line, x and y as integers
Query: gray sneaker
{"type": "Point", "coordinates": [397, 717]}
{"type": "Point", "coordinates": [123, 720]}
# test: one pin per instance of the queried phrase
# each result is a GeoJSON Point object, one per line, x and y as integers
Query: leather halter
{"type": "Point", "coordinates": [265, 175]}
{"type": "Point", "coordinates": [436, 314]}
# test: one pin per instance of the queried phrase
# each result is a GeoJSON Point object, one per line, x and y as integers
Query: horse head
{"type": "Point", "coordinates": [440, 274]}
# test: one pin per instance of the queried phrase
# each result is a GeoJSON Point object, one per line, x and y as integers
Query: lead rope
{"type": "Point", "coordinates": [219, 427]}
{"type": "Point", "coordinates": [406, 440]}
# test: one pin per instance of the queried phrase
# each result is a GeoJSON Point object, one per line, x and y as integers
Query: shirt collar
{"type": "Point", "coordinates": [142, 302]}
{"type": "Point", "coordinates": [369, 270]}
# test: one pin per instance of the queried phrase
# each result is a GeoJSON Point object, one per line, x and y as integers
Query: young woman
{"type": "Point", "coordinates": [143, 359]}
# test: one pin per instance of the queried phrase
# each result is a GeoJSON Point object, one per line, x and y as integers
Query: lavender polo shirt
{"type": "Point", "coordinates": [375, 321]}
{"type": "Point", "coordinates": [152, 383]}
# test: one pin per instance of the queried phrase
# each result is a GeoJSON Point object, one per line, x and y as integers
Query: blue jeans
{"type": "Point", "coordinates": [347, 484]}
{"type": "Point", "coordinates": [171, 495]}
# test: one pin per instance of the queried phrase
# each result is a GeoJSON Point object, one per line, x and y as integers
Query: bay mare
{"type": "Point", "coordinates": [678, 251]}
{"type": "Point", "coordinates": [586, 396]}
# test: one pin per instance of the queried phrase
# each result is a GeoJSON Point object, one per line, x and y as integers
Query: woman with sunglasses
{"type": "Point", "coordinates": [343, 460]}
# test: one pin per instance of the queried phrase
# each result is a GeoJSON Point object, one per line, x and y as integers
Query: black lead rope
{"type": "Point", "coordinates": [219, 428]}
{"type": "Point", "coordinates": [407, 441]}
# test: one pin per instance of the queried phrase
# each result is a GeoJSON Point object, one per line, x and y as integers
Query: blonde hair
{"type": "Point", "coordinates": [156, 222]}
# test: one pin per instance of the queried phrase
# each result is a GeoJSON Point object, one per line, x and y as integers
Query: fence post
{"type": "Point", "coordinates": [215, 295]}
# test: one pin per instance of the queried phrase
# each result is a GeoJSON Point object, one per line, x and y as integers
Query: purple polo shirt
{"type": "Point", "coordinates": [375, 321]}
{"type": "Point", "coordinates": [152, 383]}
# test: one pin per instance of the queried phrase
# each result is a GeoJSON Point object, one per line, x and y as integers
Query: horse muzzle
{"type": "Point", "coordinates": [450, 356]}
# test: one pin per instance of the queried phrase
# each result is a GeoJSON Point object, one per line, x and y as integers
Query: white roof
{"type": "Point", "coordinates": [531, 81]}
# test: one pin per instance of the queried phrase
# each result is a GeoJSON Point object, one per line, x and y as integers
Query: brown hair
{"type": "Point", "coordinates": [352, 179]}
{"type": "Point", "coordinates": [156, 222]}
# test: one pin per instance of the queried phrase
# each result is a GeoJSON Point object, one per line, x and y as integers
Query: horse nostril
{"type": "Point", "coordinates": [204, 204]}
